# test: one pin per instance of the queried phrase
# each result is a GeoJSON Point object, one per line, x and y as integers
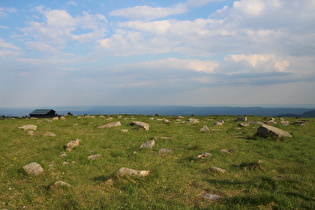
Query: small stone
{"type": "Point", "coordinates": [216, 169]}
{"type": "Point", "coordinates": [28, 127]}
{"type": "Point", "coordinates": [204, 155]}
{"type": "Point", "coordinates": [62, 184]}
{"type": "Point", "coordinates": [63, 154]}
{"type": "Point", "coordinates": [31, 133]}
{"type": "Point", "coordinates": [210, 196]}
{"type": "Point", "coordinates": [132, 172]}
{"type": "Point", "coordinates": [94, 157]}
{"type": "Point", "coordinates": [62, 118]}
{"type": "Point", "coordinates": [165, 151]}
{"type": "Point", "coordinates": [33, 169]}
{"type": "Point", "coordinates": [204, 129]}
{"type": "Point", "coordinates": [124, 130]}
{"type": "Point", "coordinates": [148, 144]}
{"type": "Point", "coordinates": [109, 125]}
{"type": "Point", "coordinates": [221, 122]}
{"type": "Point", "coordinates": [49, 134]}
{"type": "Point", "coordinates": [241, 119]}
{"type": "Point", "coordinates": [229, 151]}
{"type": "Point", "coordinates": [193, 120]}
{"type": "Point", "coordinates": [143, 125]}
{"type": "Point", "coordinates": [72, 144]}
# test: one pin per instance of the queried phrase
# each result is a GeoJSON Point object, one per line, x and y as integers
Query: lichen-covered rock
{"type": "Point", "coordinates": [267, 130]}
{"type": "Point", "coordinates": [132, 172]}
{"type": "Point", "coordinates": [143, 125]}
{"type": "Point", "coordinates": [241, 119]}
{"type": "Point", "coordinates": [33, 169]}
{"type": "Point", "coordinates": [109, 125]}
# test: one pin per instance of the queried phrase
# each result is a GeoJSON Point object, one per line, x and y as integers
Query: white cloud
{"type": "Point", "coordinates": [262, 62]}
{"type": "Point", "coordinates": [59, 27]}
{"type": "Point", "coordinates": [8, 49]}
{"type": "Point", "coordinates": [4, 12]}
{"type": "Point", "coordinates": [151, 13]}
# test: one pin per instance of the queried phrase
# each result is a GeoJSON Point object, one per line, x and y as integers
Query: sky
{"type": "Point", "coordinates": [145, 52]}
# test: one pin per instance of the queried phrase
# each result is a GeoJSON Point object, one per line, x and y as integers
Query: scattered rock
{"type": "Point", "coordinates": [94, 157]}
{"type": "Point", "coordinates": [219, 170]}
{"type": "Point", "coordinates": [148, 144]}
{"type": "Point", "coordinates": [241, 119]}
{"type": "Point", "coordinates": [204, 129]}
{"type": "Point", "coordinates": [62, 118]}
{"type": "Point", "coordinates": [229, 151]}
{"type": "Point", "coordinates": [63, 154]}
{"type": "Point", "coordinates": [124, 130]}
{"type": "Point", "coordinates": [193, 120]}
{"type": "Point", "coordinates": [221, 122]}
{"type": "Point", "coordinates": [267, 130]}
{"type": "Point", "coordinates": [48, 120]}
{"type": "Point", "coordinates": [109, 125]}
{"type": "Point", "coordinates": [33, 169]}
{"type": "Point", "coordinates": [49, 134]}
{"type": "Point", "coordinates": [165, 138]}
{"type": "Point", "coordinates": [165, 151]}
{"type": "Point", "coordinates": [28, 127]}
{"type": "Point", "coordinates": [55, 118]}
{"type": "Point", "coordinates": [285, 123]}
{"type": "Point", "coordinates": [132, 172]}
{"type": "Point", "coordinates": [166, 121]}
{"type": "Point", "coordinates": [204, 155]}
{"type": "Point", "coordinates": [210, 196]}
{"type": "Point", "coordinates": [143, 125]}
{"type": "Point", "coordinates": [244, 124]}
{"type": "Point", "coordinates": [31, 133]}
{"type": "Point", "coordinates": [61, 184]}
{"type": "Point", "coordinates": [251, 165]}
{"type": "Point", "coordinates": [72, 144]}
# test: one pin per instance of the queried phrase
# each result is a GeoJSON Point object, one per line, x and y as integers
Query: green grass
{"type": "Point", "coordinates": [282, 179]}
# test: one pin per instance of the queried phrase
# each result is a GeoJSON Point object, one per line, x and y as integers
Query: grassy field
{"type": "Point", "coordinates": [261, 173]}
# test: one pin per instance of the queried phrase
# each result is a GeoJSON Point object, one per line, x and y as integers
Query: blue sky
{"type": "Point", "coordinates": [144, 52]}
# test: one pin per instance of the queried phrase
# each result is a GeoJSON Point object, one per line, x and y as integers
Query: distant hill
{"type": "Point", "coordinates": [305, 114]}
{"type": "Point", "coordinates": [167, 110]}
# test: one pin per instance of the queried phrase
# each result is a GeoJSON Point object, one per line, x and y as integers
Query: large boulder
{"type": "Point", "coordinates": [267, 130]}
{"type": "Point", "coordinates": [109, 125]}
{"type": "Point", "coordinates": [143, 125]}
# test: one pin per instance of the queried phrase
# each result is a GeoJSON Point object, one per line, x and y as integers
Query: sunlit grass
{"type": "Point", "coordinates": [261, 173]}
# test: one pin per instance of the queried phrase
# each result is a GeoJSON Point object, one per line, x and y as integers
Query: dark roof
{"type": "Point", "coordinates": [41, 111]}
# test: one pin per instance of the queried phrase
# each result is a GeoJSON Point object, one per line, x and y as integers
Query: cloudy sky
{"type": "Point", "coordinates": [145, 52]}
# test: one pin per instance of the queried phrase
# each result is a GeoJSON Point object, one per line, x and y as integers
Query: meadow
{"type": "Point", "coordinates": [261, 173]}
